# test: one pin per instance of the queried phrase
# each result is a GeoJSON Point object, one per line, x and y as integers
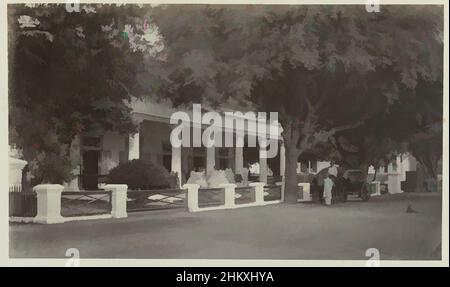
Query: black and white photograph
{"type": "Point", "coordinates": [303, 132]}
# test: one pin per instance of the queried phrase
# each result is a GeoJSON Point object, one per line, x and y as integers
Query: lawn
{"type": "Point", "coordinates": [281, 231]}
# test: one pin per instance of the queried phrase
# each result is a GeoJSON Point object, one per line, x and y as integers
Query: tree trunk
{"type": "Point", "coordinates": [364, 167]}
{"type": "Point", "coordinates": [290, 189]}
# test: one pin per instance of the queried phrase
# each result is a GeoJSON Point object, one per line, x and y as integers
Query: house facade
{"type": "Point", "coordinates": [101, 152]}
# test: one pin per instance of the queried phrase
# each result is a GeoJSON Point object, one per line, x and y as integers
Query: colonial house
{"type": "Point", "coordinates": [101, 152]}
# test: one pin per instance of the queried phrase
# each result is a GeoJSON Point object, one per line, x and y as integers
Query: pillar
{"type": "Point", "coordinates": [192, 196]}
{"type": "Point", "coordinates": [210, 159]}
{"type": "Point", "coordinates": [176, 163]}
{"type": "Point", "coordinates": [133, 146]}
{"type": "Point", "coordinates": [75, 156]}
{"type": "Point", "coordinates": [259, 191]}
{"type": "Point", "coordinates": [48, 203]}
{"type": "Point", "coordinates": [229, 194]}
{"type": "Point", "coordinates": [239, 160]}
{"type": "Point", "coordinates": [282, 160]}
{"type": "Point", "coordinates": [15, 172]}
{"type": "Point", "coordinates": [118, 199]}
{"type": "Point", "coordinates": [262, 168]}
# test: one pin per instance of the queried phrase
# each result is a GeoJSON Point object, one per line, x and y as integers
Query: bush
{"type": "Point", "coordinates": [142, 174]}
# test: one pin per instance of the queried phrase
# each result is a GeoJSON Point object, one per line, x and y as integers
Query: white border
{"type": "Point", "coordinates": [4, 222]}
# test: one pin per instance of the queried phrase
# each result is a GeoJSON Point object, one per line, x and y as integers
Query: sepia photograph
{"type": "Point", "coordinates": [290, 131]}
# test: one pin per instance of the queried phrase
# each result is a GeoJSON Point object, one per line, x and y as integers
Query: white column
{"type": "Point", "coordinates": [73, 184]}
{"type": "Point", "coordinates": [210, 159]}
{"type": "Point", "coordinates": [309, 166]}
{"type": "Point", "coordinates": [192, 196]}
{"type": "Point", "coordinates": [133, 147]}
{"type": "Point", "coordinates": [118, 199]}
{"type": "Point", "coordinates": [399, 164]}
{"type": "Point", "coordinates": [75, 156]}
{"type": "Point", "coordinates": [239, 160]}
{"type": "Point", "coordinates": [229, 194]}
{"type": "Point", "coordinates": [48, 203]}
{"type": "Point", "coordinates": [259, 191]}
{"type": "Point", "coordinates": [176, 162]}
{"type": "Point", "coordinates": [262, 168]}
{"type": "Point", "coordinates": [282, 159]}
{"type": "Point", "coordinates": [15, 172]}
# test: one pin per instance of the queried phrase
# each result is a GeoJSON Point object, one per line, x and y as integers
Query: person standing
{"type": "Point", "coordinates": [327, 187]}
{"type": "Point", "coordinates": [329, 182]}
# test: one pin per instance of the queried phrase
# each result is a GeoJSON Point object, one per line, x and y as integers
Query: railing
{"type": "Point", "coordinates": [142, 200]}
{"type": "Point", "coordinates": [272, 192]}
{"type": "Point", "coordinates": [22, 204]}
{"type": "Point", "coordinates": [245, 194]}
{"type": "Point", "coordinates": [15, 188]}
{"type": "Point", "coordinates": [81, 203]}
{"type": "Point", "coordinates": [211, 197]}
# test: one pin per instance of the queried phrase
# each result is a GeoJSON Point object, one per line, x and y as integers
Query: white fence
{"type": "Point", "coordinates": [49, 204]}
{"type": "Point", "coordinates": [231, 196]}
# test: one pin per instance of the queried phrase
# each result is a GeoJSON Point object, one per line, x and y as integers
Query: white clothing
{"type": "Point", "coordinates": [327, 187]}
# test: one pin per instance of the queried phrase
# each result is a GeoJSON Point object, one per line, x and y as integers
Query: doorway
{"type": "Point", "coordinates": [90, 169]}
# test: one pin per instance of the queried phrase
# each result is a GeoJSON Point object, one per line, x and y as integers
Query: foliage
{"type": "Point", "coordinates": [142, 174]}
{"type": "Point", "coordinates": [70, 73]}
{"type": "Point", "coordinates": [324, 69]}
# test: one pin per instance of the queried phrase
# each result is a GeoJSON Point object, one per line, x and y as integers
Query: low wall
{"type": "Point", "coordinates": [256, 194]}
{"type": "Point", "coordinates": [53, 203]}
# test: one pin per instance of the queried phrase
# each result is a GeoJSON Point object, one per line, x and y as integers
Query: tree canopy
{"type": "Point", "coordinates": [325, 69]}
{"type": "Point", "coordinates": [70, 73]}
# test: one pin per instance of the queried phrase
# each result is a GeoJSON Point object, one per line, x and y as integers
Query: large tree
{"type": "Point", "coordinates": [325, 69]}
{"type": "Point", "coordinates": [70, 72]}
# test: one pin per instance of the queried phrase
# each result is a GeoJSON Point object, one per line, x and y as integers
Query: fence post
{"type": "Point", "coordinates": [259, 191]}
{"type": "Point", "coordinates": [229, 194]}
{"type": "Point", "coordinates": [306, 191]}
{"type": "Point", "coordinates": [48, 203]}
{"type": "Point", "coordinates": [118, 199]}
{"type": "Point", "coordinates": [192, 196]}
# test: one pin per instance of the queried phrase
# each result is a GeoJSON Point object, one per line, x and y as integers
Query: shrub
{"type": "Point", "coordinates": [142, 174]}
